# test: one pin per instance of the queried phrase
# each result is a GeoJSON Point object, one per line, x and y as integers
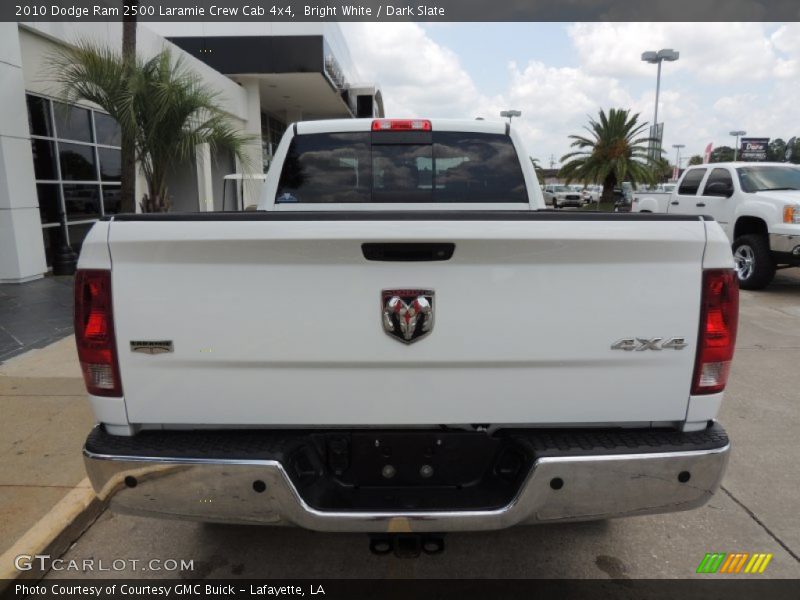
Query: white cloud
{"type": "Point", "coordinates": [787, 38]}
{"type": "Point", "coordinates": [729, 76]}
{"type": "Point", "coordinates": [556, 102]}
{"type": "Point", "coordinates": [771, 113]}
{"type": "Point", "coordinates": [713, 52]}
{"type": "Point", "coordinates": [417, 75]}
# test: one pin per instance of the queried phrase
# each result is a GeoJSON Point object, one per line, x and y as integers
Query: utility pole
{"type": "Point", "coordinates": [677, 171]}
{"type": "Point", "coordinates": [510, 114]}
{"type": "Point", "coordinates": [737, 134]}
{"type": "Point", "coordinates": [657, 58]}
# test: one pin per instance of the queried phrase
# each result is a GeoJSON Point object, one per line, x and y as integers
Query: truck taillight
{"type": "Point", "coordinates": [719, 317]}
{"type": "Point", "coordinates": [401, 125]}
{"type": "Point", "coordinates": [94, 332]}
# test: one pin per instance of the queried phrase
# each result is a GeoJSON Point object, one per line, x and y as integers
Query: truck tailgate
{"type": "Point", "coordinates": [279, 322]}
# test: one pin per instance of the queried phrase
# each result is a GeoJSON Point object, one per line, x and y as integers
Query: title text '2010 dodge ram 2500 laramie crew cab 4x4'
{"type": "Point", "coordinates": [398, 340]}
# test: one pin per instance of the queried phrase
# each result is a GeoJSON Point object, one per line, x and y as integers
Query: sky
{"type": "Point", "coordinates": [729, 76]}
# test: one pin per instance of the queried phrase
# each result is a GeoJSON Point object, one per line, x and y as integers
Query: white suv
{"type": "Point", "coordinates": [560, 196]}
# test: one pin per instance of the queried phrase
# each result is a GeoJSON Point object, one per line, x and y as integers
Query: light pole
{"type": "Point", "coordinates": [677, 159]}
{"type": "Point", "coordinates": [657, 58]}
{"type": "Point", "coordinates": [510, 114]}
{"type": "Point", "coordinates": [737, 134]}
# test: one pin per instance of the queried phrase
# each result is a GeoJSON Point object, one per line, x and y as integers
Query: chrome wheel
{"type": "Point", "coordinates": [745, 261]}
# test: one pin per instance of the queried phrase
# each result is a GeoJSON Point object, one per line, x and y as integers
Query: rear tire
{"type": "Point", "coordinates": [755, 267]}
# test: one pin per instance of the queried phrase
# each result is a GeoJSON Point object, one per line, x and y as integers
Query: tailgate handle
{"type": "Point", "coordinates": [408, 252]}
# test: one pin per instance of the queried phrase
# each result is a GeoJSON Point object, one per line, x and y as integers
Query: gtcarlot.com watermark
{"type": "Point", "coordinates": [43, 562]}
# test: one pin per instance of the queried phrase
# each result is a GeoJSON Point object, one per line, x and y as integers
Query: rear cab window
{"type": "Point", "coordinates": [690, 183]}
{"type": "Point", "coordinates": [400, 167]}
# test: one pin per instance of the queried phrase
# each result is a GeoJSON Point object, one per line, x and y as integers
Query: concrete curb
{"type": "Point", "coordinates": [54, 533]}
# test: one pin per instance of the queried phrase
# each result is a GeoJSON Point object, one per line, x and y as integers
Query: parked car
{"type": "Point", "coordinates": [592, 193]}
{"type": "Point", "coordinates": [384, 348]}
{"type": "Point", "coordinates": [757, 205]}
{"type": "Point", "coordinates": [622, 199]}
{"type": "Point", "coordinates": [578, 189]}
{"type": "Point", "coordinates": [583, 190]}
{"type": "Point", "coordinates": [559, 196]}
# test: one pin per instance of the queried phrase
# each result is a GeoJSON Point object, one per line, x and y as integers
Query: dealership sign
{"type": "Point", "coordinates": [754, 149]}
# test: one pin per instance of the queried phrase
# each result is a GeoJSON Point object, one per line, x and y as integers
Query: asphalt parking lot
{"type": "Point", "coordinates": [755, 511]}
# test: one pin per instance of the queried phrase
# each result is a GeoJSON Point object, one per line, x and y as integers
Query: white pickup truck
{"type": "Point", "coordinates": [757, 205]}
{"type": "Point", "coordinates": [399, 340]}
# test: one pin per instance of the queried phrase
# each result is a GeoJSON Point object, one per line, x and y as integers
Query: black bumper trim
{"type": "Point", "coordinates": [276, 444]}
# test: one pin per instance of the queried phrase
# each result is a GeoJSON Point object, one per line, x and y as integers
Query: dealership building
{"type": "Point", "coordinates": [60, 164]}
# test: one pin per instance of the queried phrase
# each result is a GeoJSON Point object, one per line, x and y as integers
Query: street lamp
{"type": "Point", "coordinates": [737, 134]}
{"type": "Point", "coordinates": [677, 159]}
{"type": "Point", "coordinates": [657, 58]}
{"type": "Point", "coordinates": [510, 114]}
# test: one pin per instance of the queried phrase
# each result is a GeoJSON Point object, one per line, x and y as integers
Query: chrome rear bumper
{"type": "Point", "coordinates": [557, 488]}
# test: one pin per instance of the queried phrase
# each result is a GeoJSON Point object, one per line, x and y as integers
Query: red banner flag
{"type": "Point", "coordinates": [707, 154]}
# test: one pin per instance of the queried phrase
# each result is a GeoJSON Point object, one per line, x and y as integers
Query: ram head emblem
{"type": "Point", "coordinates": [407, 313]}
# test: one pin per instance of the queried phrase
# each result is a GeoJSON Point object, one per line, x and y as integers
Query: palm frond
{"type": "Point", "coordinates": [614, 151]}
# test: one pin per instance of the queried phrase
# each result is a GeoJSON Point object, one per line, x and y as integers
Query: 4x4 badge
{"type": "Point", "coordinates": [407, 314]}
{"type": "Point", "coordinates": [656, 343]}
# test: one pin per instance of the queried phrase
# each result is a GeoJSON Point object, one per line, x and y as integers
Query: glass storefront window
{"type": "Point", "coordinates": [39, 116]}
{"type": "Point", "coordinates": [82, 202]}
{"type": "Point", "coordinates": [49, 202]}
{"type": "Point", "coordinates": [44, 159]}
{"type": "Point", "coordinates": [110, 164]}
{"type": "Point", "coordinates": [107, 130]}
{"type": "Point", "coordinates": [77, 164]}
{"type": "Point", "coordinates": [72, 122]}
{"type": "Point", "coordinates": [111, 199]}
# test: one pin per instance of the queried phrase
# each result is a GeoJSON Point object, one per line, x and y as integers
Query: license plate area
{"type": "Point", "coordinates": [419, 459]}
{"type": "Point", "coordinates": [409, 470]}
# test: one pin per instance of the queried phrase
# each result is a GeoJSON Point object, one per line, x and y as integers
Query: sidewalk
{"type": "Point", "coordinates": [34, 314]}
{"type": "Point", "coordinates": [44, 419]}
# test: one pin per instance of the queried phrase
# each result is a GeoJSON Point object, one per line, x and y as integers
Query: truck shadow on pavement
{"type": "Point", "coordinates": [786, 281]}
{"type": "Point", "coordinates": [525, 551]}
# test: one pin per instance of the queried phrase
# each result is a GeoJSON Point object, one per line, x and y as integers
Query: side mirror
{"type": "Point", "coordinates": [719, 188]}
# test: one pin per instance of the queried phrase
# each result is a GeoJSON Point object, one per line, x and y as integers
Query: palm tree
{"type": "Point", "coordinates": [159, 103]}
{"type": "Point", "coordinates": [615, 151]}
